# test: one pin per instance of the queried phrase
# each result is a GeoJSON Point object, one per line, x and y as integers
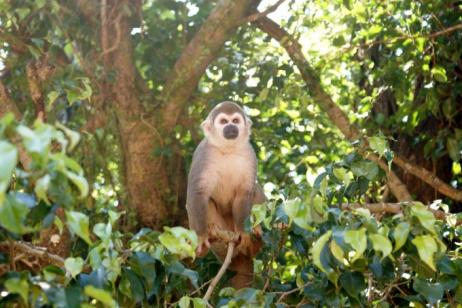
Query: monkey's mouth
{"type": "Point", "coordinates": [230, 132]}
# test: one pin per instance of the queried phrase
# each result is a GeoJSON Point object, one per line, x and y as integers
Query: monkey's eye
{"type": "Point", "coordinates": [223, 121]}
{"type": "Point", "coordinates": [236, 121]}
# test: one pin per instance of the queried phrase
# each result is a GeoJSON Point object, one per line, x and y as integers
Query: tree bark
{"type": "Point", "coordinates": [144, 178]}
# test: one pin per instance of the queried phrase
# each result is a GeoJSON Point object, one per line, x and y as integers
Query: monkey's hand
{"type": "Point", "coordinates": [203, 245]}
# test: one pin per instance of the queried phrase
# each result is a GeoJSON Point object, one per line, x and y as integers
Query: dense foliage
{"type": "Point", "coordinates": [80, 112]}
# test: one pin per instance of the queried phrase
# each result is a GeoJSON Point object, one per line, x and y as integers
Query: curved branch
{"type": "Point", "coordinates": [429, 178]}
{"type": "Point", "coordinates": [324, 100]}
{"type": "Point", "coordinates": [198, 54]}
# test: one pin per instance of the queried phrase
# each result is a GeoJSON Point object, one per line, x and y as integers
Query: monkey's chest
{"type": "Point", "coordinates": [233, 174]}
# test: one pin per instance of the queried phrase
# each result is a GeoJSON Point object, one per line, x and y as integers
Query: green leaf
{"type": "Point", "coordinates": [432, 292]}
{"type": "Point", "coordinates": [357, 240]}
{"type": "Point", "coordinates": [80, 182]}
{"type": "Point", "coordinates": [381, 243]}
{"type": "Point", "coordinates": [37, 140]}
{"type": "Point", "coordinates": [453, 149]}
{"type": "Point", "coordinates": [298, 212]}
{"type": "Point", "coordinates": [74, 266]}
{"type": "Point", "coordinates": [258, 214]}
{"type": "Point", "coordinates": [343, 175]}
{"type": "Point", "coordinates": [439, 74]}
{"type": "Point", "coordinates": [179, 241]}
{"type": "Point", "coordinates": [337, 251]}
{"type": "Point", "coordinates": [19, 286]}
{"type": "Point", "coordinates": [41, 188]}
{"type": "Point", "coordinates": [13, 213]}
{"type": "Point", "coordinates": [184, 302]}
{"type": "Point", "coordinates": [426, 247]}
{"type": "Point", "coordinates": [9, 157]}
{"type": "Point", "coordinates": [400, 235]}
{"type": "Point", "coordinates": [378, 144]}
{"type": "Point", "coordinates": [368, 169]}
{"type": "Point", "coordinates": [316, 251]}
{"type": "Point", "coordinates": [79, 224]}
{"type": "Point", "coordinates": [425, 217]}
{"type": "Point", "coordinates": [100, 295]}
{"type": "Point", "coordinates": [51, 98]}
{"type": "Point", "coordinates": [199, 303]}
{"type": "Point", "coordinates": [353, 282]}
{"type": "Point", "coordinates": [73, 136]}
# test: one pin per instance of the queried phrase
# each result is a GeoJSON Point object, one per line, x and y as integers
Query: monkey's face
{"type": "Point", "coordinates": [227, 129]}
{"type": "Point", "coordinates": [229, 125]}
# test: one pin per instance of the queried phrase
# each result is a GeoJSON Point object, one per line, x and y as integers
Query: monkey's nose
{"type": "Point", "coordinates": [230, 132]}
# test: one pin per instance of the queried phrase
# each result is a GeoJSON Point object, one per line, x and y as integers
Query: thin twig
{"type": "Point", "coordinates": [284, 294]}
{"type": "Point", "coordinates": [221, 272]}
{"type": "Point", "coordinates": [266, 12]}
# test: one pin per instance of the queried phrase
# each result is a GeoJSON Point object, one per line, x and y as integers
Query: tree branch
{"type": "Point", "coordinates": [198, 54]}
{"type": "Point", "coordinates": [325, 102]}
{"type": "Point", "coordinates": [266, 12]}
{"type": "Point", "coordinates": [39, 252]}
{"type": "Point", "coordinates": [389, 208]}
{"type": "Point", "coordinates": [429, 178]}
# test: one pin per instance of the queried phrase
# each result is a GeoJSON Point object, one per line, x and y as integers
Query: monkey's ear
{"type": "Point", "coordinates": [206, 125]}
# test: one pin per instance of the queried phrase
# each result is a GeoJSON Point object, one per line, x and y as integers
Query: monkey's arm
{"type": "Point", "coordinates": [196, 205]}
{"type": "Point", "coordinates": [242, 206]}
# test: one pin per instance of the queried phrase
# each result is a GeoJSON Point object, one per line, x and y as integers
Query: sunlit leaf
{"type": "Point", "coordinates": [41, 188]}
{"type": "Point", "coordinates": [425, 217]}
{"type": "Point", "coordinates": [80, 182]}
{"type": "Point", "coordinates": [343, 175]}
{"type": "Point", "coordinates": [426, 247]}
{"type": "Point", "coordinates": [100, 295]}
{"type": "Point", "coordinates": [316, 252]}
{"type": "Point", "coordinates": [74, 266]}
{"type": "Point", "coordinates": [180, 241]}
{"type": "Point", "coordinates": [298, 212]}
{"type": "Point", "coordinates": [357, 240]}
{"type": "Point", "coordinates": [439, 74]}
{"type": "Point", "coordinates": [79, 224]}
{"type": "Point", "coordinates": [336, 251]}
{"type": "Point", "coordinates": [400, 235]}
{"type": "Point", "coordinates": [13, 214]}
{"type": "Point", "coordinates": [73, 136]}
{"type": "Point", "coordinates": [378, 144]}
{"type": "Point", "coordinates": [19, 286]}
{"type": "Point", "coordinates": [381, 243]}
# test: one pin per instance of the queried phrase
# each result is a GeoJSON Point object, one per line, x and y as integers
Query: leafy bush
{"type": "Point", "coordinates": [316, 253]}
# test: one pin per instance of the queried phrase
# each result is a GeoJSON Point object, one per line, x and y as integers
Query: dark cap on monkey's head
{"type": "Point", "coordinates": [226, 107]}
